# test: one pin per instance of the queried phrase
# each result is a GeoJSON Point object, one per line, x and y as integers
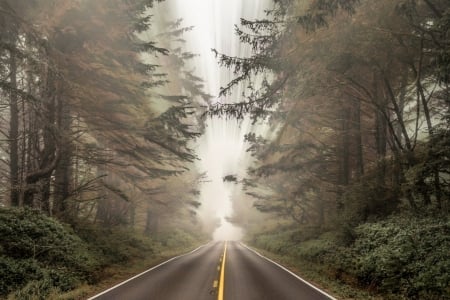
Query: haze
{"type": "Point", "coordinates": [222, 148]}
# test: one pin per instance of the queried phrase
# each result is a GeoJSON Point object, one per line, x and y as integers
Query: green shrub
{"type": "Point", "coordinates": [38, 254]}
{"type": "Point", "coordinates": [408, 256]}
{"type": "Point", "coordinates": [277, 242]}
{"type": "Point", "coordinates": [14, 273]}
{"type": "Point", "coordinates": [367, 200]}
{"type": "Point", "coordinates": [316, 250]}
{"type": "Point", "coordinates": [116, 245]}
{"type": "Point", "coordinates": [401, 257]}
{"type": "Point", "coordinates": [176, 239]}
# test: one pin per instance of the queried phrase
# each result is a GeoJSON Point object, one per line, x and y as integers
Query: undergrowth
{"type": "Point", "coordinates": [40, 258]}
{"type": "Point", "coordinates": [401, 257]}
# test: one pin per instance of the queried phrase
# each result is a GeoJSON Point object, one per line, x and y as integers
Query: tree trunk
{"type": "Point", "coordinates": [320, 208]}
{"type": "Point", "coordinates": [436, 178]}
{"type": "Point", "coordinates": [39, 176]}
{"type": "Point", "coordinates": [151, 224]}
{"type": "Point", "coordinates": [358, 138]}
{"type": "Point", "coordinates": [399, 114]}
{"type": "Point", "coordinates": [343, 158]}
{"type": "Point", "coordinates": [345, 147]}
{"type": "Point", "coordinates": [380, 132]}
{"type": "Point", "coordinates": [14, 135]}
{"type": "Point", "coordinates": [63, 172]}
{"type": "Point", "coordinates": [132, 215]}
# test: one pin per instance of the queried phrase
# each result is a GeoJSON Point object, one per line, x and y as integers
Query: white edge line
{"type": "Point", "coordinates": [290, 272]}
{"type": "Point", "coordinates": [151, 269]}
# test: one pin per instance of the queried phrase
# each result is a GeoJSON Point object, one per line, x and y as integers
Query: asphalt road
{"type": "Point", "coordinates": [249, 276]}
{"type": "Point", "coordinates": [196, 276]}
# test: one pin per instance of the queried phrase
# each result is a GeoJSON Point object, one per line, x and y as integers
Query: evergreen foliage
{"type": "Point", "coordinates": [356, 95]}
{"type": "Point", "coordinates": [80, 131]}
{"type": "Point", "coordinates": [348, 118]}
{"type": "Point", "coordinates": [83, 141]}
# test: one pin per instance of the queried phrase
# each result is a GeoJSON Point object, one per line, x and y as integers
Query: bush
{"type": "Point", "coordinates": [407, 256]}
{"type": "Point", "coordinates": [116, 245]}
{"type": "Point", "coordinates": [37, 254]}
{"type": "Point", "coordinates": [14, 273]}
{"type": "Point", "coordinates": [402, 257]}
{"type": "Point", "coordinates": [279, 242]}
{"type": "Point", "coordinates": [41, 258]}
{"type": "Point", "coordinates": [367, 200]}
{"type": "Point", "coordinates": [176, 239]}
{"type": "Point", "coordinates": [316, 250]}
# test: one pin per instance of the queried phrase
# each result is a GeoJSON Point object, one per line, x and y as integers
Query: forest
{"type": "Point", "coordinates": [101, 112]}
{"type": "Point", "coordinates": [93, 135]}
{"type": "Point", "coordinates": [358, 170]}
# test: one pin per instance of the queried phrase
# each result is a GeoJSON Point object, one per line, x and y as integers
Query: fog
{"type": "Point", "coordinates": [221, 149]}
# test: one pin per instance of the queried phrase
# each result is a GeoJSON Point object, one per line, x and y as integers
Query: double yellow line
{"type": "Point", "coordinates": [222, 274]}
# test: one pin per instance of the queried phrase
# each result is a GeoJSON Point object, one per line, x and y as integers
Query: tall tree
{"type": "Point", "coordinates": [348, 99]}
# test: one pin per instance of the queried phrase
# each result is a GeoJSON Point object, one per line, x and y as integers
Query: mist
{"type": "Point", "coordinates": [222, 148]}
{"type": "Point", "coordinates": [329, 152]}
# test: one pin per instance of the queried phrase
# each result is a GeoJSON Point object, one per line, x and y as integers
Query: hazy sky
{"type": "Point", "coordinates": [221, 149]}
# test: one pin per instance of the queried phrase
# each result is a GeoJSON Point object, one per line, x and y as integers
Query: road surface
{"type": "Point", "coordinates": [218, 270]}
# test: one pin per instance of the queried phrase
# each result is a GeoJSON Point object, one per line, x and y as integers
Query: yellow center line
{"type": "Point", "coordinates": [222, 274]}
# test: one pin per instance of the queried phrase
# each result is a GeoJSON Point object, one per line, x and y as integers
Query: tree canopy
{"type": "Point", "coordinates": [81, 135]}
{"type": "Point", "coordinates": [357, 93]}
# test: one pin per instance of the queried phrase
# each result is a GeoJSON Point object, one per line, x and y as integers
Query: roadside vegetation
{"type": "Point", "coordinates": [401, 257]}
{"type": "Point", "coordinates": [352, 182]}
{"type": "Point", "coordinates": [41, 258]}
{"type": "Point", "coordinates": [99, 108]}
{"type": "Point", "coordinates": [98, 112]}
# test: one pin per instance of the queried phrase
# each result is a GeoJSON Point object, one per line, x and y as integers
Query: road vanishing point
{"type": "Point", "coordinates": [216, 271]}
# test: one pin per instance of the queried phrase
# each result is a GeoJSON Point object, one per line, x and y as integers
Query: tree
{"type": "Point", "coordinates": [80, 123]}
{"type": "Point", "coordinates": [348, 97]}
